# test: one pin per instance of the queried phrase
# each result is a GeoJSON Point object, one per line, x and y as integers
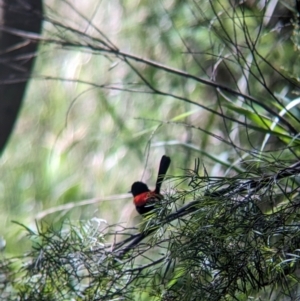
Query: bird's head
{"type": "Point", "coordinates": [138, 188]}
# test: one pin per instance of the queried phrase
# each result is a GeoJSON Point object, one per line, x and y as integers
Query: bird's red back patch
{"type": "Point", "coordinates": [143, 198]}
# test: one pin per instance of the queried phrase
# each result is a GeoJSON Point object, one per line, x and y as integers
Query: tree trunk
{"type": "Point", "coordinates": [16, 58]}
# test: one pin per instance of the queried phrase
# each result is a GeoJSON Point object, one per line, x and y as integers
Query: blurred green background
{"type": "Point", "coordinates": [90, 125]}
{"type": "Point", "coordinates": [74, 142]}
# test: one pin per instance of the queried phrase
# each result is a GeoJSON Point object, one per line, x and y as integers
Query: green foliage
{"type": "Point", "coordinates": [118, 83]}
{"type": "Point", "coordinates": [224, 244]}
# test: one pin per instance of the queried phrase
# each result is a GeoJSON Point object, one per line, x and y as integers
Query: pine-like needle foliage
{"type": "Point", "coordinates": [234, 236]}
{"type": "Point", "coordinates": [239, 240]}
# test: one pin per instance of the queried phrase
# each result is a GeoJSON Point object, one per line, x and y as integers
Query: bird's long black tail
{"type": "Point", "coordinates": [163, 168]}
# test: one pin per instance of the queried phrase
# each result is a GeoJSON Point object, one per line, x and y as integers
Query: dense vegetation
{"type": "Point", "coordinates": [215, 85]}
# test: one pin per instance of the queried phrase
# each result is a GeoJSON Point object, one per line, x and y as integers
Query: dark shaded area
{"type": "Point", "coordinates": [16, 58]}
